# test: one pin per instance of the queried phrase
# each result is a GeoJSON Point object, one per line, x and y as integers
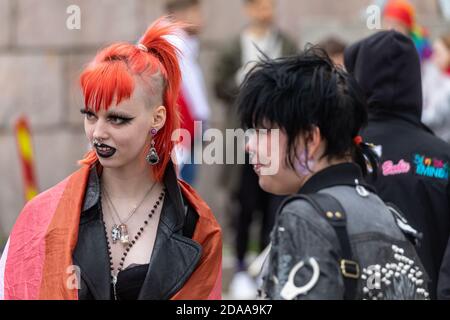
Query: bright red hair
{"type": "Point", "coordinates": [401, 10]}
{"type": "Point", "coordinates": [111, 78]}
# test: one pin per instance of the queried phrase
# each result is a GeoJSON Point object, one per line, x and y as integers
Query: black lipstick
{"type": "Point", "coordinates": [104, 151]}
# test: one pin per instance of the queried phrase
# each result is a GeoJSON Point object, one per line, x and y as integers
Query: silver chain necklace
{"type": "Point", "coordinates": [120, 232]}
{"type": "Point", "coordinates": [129, 246]}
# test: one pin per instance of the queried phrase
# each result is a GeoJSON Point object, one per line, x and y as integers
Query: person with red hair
{"type": "Point", "coordinates": [400, 15]}
{"type": "Point", "coordinates": [122, 227]}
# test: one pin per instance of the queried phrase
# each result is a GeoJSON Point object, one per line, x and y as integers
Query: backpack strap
{"type": "Point", "coordinates": [332, 211]}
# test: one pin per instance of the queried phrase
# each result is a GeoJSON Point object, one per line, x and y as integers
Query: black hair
{"type": "Point", "coordinates": [300, 92]}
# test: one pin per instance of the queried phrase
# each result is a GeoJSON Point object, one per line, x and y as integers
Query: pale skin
{"type": "Point", "coordinates": [193, 17]}
{"type": "Point", "coordinates": [288, 181]}
{"type": "Point", "coordinates": [441, 55]}
{"type": "Point", "coordinates": [394, 24]}
{"type": "Point", "coordinates": [126, 175]}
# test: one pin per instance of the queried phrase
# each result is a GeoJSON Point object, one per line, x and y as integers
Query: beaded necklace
{"type": "Point", "coordinates": [130, 245]}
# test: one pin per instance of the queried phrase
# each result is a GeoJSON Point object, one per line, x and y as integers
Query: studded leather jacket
{"type": "Point", "coordinates": [303, 262]}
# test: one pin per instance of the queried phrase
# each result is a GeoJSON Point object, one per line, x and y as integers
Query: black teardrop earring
{"type": "Point", "coordinates": [152, 156]}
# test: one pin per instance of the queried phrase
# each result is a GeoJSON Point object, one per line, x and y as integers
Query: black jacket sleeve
{"type": "Point", "coordinates": [444, 276]}
{"type": "Point", "coordinates": [443, 290]}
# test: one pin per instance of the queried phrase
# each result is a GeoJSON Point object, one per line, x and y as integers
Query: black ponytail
{"type": "Point", "coordinates": [367, 158]}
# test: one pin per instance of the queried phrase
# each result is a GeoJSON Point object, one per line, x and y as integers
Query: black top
{"type": "Point", "coordinates": [129, 282]}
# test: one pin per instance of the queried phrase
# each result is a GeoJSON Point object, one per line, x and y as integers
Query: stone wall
{"type": "Point", "coordinates": [40, 61]}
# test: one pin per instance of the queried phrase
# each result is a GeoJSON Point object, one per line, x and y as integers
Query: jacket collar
{"type": "Point", "coordinates": [174, 257]}
{"type": "Point", "coordinates": [341, 174]}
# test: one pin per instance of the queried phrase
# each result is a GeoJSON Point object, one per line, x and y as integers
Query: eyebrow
{"type": "Point", "coordinates": [109, 113]}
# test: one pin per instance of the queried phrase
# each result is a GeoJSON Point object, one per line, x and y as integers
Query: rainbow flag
{"type": "Point", "coordinates": [422, 42]}
{"type": "Point", "coordinates": [405, 12]}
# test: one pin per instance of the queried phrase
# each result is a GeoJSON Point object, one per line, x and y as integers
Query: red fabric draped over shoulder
{"type": "Point", "coordinates": [206, 281]}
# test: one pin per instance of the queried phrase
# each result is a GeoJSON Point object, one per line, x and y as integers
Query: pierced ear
{"type": "Point", "coordinates": [159, 117]}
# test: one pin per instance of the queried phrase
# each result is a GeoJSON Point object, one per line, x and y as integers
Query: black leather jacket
{"type": "Point", "coordinates": [174, 256]}
{"type": "Point", "coordinates": [303, 238]}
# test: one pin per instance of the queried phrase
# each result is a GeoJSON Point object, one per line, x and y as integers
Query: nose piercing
{"type": "Point", "coordinates": [97, 141]}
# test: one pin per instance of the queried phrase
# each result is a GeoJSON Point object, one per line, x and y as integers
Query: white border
{"type": "Point", "coordinates": [2, 271]}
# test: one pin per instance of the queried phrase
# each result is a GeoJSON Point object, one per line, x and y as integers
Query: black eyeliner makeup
{"type": "Point", "coordinates": [124, 119]}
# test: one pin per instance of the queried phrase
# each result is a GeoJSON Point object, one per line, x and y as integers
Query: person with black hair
{"type": "Point", "coordinates": [333, 238]}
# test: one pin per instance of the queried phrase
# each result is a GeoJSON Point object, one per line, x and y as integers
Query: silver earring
{"type": "Point", "coordinates": [153, 157]}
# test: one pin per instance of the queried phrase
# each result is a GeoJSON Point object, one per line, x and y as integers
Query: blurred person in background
{"type": "Point", "coordinates": [193, 100]}
{"type": "Point", "coordinates": [400, 15]}
{"type": "Point", "coordinates": [436, 89]}
{"type": "Point", "coordinates": [122, 227]}
{"type": "Point", "coordinates": [335, 48]}
{"type": "Point", "coordinates": [437, 116]}
{"type": "Point", "coordinates": [414, 170]}
{"type": "Point", "coordinates": [259, 37]}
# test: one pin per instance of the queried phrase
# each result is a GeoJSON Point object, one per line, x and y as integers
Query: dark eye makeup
{"type": "Point", "coordinates": [114, 117]}
{"type": "Point", "coordinates": [117, 118]}
{"type": "Point", "coordinates": [86, 112]}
